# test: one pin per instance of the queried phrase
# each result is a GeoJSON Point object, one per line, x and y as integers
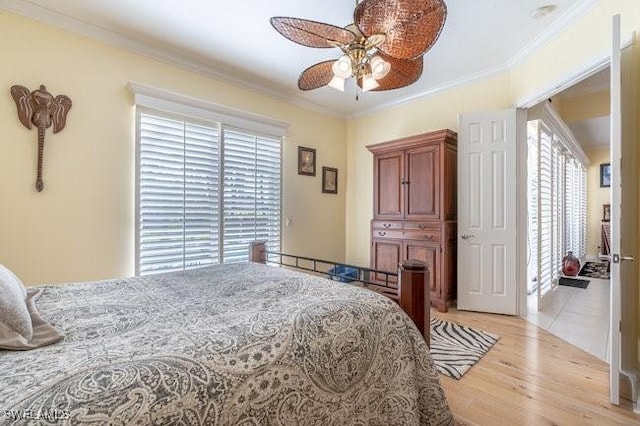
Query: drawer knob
{"type": "Point", "coordinates": [428, 237]}
{"type": "Point", "coordinates": [382, 233]}
{"type": "Point", "coordinates": [422, 226]}
{"type": "Point", "coordinates": [386, 225]}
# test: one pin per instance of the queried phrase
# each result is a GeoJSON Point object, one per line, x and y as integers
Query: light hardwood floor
{"type": "Point", "coordinates": [531, 377]}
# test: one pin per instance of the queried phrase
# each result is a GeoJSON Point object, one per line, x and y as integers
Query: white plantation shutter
{"type": "Point", "coordinates": [545, 209]}
{"type": "Point", "coordinates": [557, 205]}
{"type": "Point", "coordinates": [570, 194]}
{"type": "Point", "coordinates": [575, 208]}
{"type": "Point", "coordinates": [177, 215]}
{"type": "Point", "coordinates": [252, 170]}
{"type": "Point", "coordinates": [532, 189]}
{"type": "Point", "coordinates": [202, 185]}
{"type": "Point", "coordinates": [269, 192]}
{"type": "Point", "coordinates": [582, 207]}
{"type": "Point", "coordinates": [204, 192]}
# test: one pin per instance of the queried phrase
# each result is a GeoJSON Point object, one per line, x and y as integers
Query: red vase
{"type": "Point", "coordinates": [570, 265]}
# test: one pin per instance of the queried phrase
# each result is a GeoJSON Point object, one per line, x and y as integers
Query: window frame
{"type": "Point", "coordinates": [174, 106]}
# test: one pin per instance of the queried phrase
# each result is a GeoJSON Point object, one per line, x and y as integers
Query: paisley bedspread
{"type": "Point", "coordinates": [242, 344]}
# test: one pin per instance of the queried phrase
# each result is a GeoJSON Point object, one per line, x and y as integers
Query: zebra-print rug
{"type": "Point", "coordinates": [455, 348]}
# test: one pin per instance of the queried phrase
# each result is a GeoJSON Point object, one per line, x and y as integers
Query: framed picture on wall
{"type": "Point", "coordinates": [329, 180]}
{"type": "Point", "coordinates": [306, 161]}
{"type": "Point", "coordinates": [605, 175]}
{"type": "Point", "coordinates": [606, 212]}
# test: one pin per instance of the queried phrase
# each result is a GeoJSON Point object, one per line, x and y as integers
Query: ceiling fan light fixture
{"type": "Point", "coordinates": [369, 83]}
{"type": "Point", "coordinates": [382, 49]}
{"type": "Point", "coordinates": [342, 67]}
{"type": "Point", "coordinates": [379, 67]}
{"type": "Point", "coordinates": [337, 83]}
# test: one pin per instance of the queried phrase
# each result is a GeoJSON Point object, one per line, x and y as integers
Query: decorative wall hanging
{"type": "Point", "coordinates": [42, 110]}
{"type": "Point", "coordinates": [605, 175]}
{"type": "Point", "coordinates": [306, 161]}
{"type": "Point", "coordinates": [329, 180]}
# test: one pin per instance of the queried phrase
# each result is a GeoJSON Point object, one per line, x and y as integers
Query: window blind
{"type": "Point", "coordinates": [177, 215]}
{"type": "Point", "coordinates": [532, 190]}
{"type": "Point", "coordinates": [204, 192]}
{"type": "Point", "coordinates": [251, 199]}
{"type": "Point", "coordinates": [545, 209]}
{"type": "Point", "coordinates": [557, 206]}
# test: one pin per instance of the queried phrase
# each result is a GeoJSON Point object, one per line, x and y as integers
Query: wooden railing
{"type": "Point", "coordinates": [411, 291]}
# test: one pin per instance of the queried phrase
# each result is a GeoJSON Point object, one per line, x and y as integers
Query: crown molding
{"type": "Point", "coordinates": [56, 19]}
{"type": "Point", "coordinates": [577, 74]}
{"type": "Point", "coordinates": [434, 90]}
{"type": "Point", "coordinates": [566, 20]}
{"type": "Point", "coordinates": [557, 27]}
{"type": "Point", "coordinates": [47, 16]}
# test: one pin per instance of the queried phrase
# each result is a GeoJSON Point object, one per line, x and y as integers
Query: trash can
{"type": "Point", "coordinates": [344, 274]}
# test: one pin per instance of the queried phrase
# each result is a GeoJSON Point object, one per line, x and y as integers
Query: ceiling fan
{"type": "Point", "coordinates": [382, 49]}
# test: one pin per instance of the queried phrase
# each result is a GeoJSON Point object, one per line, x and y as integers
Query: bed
{"type": "Point", "coordinates": [240, 344]}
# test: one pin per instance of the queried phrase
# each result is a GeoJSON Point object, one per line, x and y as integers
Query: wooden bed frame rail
{"type": "Point", "coordinates": [412, 291]}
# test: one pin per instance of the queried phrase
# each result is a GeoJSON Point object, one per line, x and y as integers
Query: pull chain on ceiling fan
{"type": "Point", "coordinates": [382, 49]}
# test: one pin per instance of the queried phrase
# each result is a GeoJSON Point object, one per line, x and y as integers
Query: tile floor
{"type": "Point", "coordinates": [579, 316]}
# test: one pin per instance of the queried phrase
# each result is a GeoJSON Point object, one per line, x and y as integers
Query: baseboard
{"type": "Point", "coordinates": [629, 387]}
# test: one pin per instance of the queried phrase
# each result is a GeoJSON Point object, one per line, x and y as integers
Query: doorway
{"type": "Point", "coordinates": [487, 182]}
{"type": "Point", "coordinates": [568, 142]}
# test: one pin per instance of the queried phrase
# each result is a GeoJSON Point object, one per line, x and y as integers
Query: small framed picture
{"type": "Point", "coordinates": [329, 180]}
{"type": "Point", "coordinates": [605, 175]}
{"type": "Point", "coordinates": [306, 161]}
{"type": "Point", "coordinates": [606, 212]}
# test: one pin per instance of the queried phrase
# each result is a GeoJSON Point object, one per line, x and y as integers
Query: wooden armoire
{"type": "Point", "coordinates": [414, 208]}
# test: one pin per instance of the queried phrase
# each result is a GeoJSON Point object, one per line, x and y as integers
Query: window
{"type": "Point", "coordinates": [204, 189]}
{"type": "Point", "coordinates": [251, 194]}
{"type": "Point", "coordinates": [557, 204]}
{"type": "Point", "coordinates": [178, 186]}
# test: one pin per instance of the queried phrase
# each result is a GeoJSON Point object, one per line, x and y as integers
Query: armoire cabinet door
{"type": "Point", "coordinates": [385, 256]}
{"type": "Point", "coordinates": [422, 187]}
{"type": "Point", "coordinates": [388, 175]}
{"type": "Point", "coordinates": [430, 254]}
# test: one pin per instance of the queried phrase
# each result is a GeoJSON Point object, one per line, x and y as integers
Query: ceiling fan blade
{"type": "Point", "coordinates": [410, 26]}
{"type": "Point", "coordinates": [316, 76]}
{"type": "Point", "coordinates": [312, 33]}
{"type": "Point", "coordinates": [403, 73]}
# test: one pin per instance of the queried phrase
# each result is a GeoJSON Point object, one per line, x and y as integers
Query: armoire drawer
{"type": "Point", "coordinates": [422, 226]}
{"type": "Point", "coordinates": [431, 236]}
{"type": "Point", "coordinates": [384, 233]}
{"type": "Point", "coordinates": [386, 224]}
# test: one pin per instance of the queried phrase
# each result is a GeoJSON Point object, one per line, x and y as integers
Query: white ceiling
{"type": "Point", "coordinates": [599, 82]}
{"type": "Point", "coordinates": [233, 40]}
{"type": "Point", "coordinates": [592, 132]}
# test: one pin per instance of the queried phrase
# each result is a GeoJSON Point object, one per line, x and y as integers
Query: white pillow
{"type": "Point", "coordinates": [14, 316]}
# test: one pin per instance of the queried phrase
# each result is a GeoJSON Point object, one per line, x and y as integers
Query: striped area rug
{"type": "Point", "coordinates": [455, 348]}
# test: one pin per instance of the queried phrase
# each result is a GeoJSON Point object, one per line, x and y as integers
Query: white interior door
{"type": "Point", "coordinates": [487, 207]}
{"type": "Point", "coordinates": [616, 139]}
{"type": "Point", "coordinates": [624, 216]}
